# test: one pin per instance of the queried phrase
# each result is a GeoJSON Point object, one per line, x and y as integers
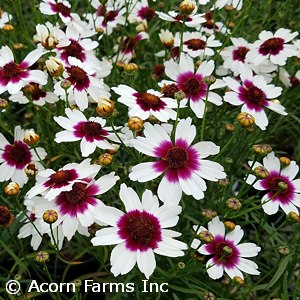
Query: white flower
{"type": "Point", "coordinates": [228, 254]}
{"type": "Point", "coordinates": [139, 233]}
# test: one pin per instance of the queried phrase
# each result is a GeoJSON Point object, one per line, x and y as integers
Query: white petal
{"type": "Point", "coordinates": [146, 262]}
{"type": "Point", "coordinates": [130, 198]}
{"type": "Point", "coordinates": [106, 236]}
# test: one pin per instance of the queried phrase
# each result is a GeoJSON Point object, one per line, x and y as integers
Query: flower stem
{"type": "Point", "coordinates": [204, 115]}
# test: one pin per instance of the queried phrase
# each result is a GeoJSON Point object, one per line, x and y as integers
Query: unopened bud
{"type": "Point", "coordinates": [229, 225]}
{"type": "Point", "coordinates": [131, 68]}
{"type": "Point", "coordinates": [238, 280]}
{"type": "Point", "coordinates": [229, 127]}
{"type": "Point", "coordinates": [31, 170]}
{"type": "Point", "coordinates": [186, 7]}
{"type": "Point", "coordinates": [50, 216]}
{"type": "Point", "coordinates": [105, 159]}
{"type": "Point", "coordinates": [66, 84]}
{"type": "Point", "coordinates": [282, 185]}
{"type": "Point", "coordinates": [28, 88]}
{"type": "Point", "coordinates": [135, 123]}
{"type": "Point", "coordinates": [209, 79]}
{"type": "Point", "coordinates": [8, 27]}
{"type": "Point", "coordinates": [42, 257]}
{"type": "Point", "coordinates": [3, 103]}
{"type": "Point", "coordinates": [166, 38]}
{"type": "Point", "coordinates": [285, 162]}
{"type": "Point", "coordinates": [181, 265]}
{"type": "Point", "coordinates": [208, 296]}
{"type": "Point", "coordinates": [261, 172]}
{"type": "Point", "coordinates": [78, 283]}
{"type": "Point", "coordinates": [284, 250]}
{"type": "Point", "coordinates": [54, 66]}
{"type": "Point", "coordinates": [6, 217]}
{"type": "Point", "coordinates": [223, 182]}
{"type": "Point", "coordinates": [208, 214]}
{"type": "Point", "coordinates": [205, 236]}
{"type": "Point", "coordinates": [18, 46]}
{"type": "Point", "coordinates": [225, 280]}
{"type": "Point", "coordinates": [12, 189]}
{"type": "Point", "coordinates": [262, 149]}
{"type": "Point", "coordinates": [180, 95]}
{"type": "Point", "coordinates": [245, 119]}
{"type": "Point", "coordinates": [234, 204]}
{"type": "Point", "coordinates": [115, 149]}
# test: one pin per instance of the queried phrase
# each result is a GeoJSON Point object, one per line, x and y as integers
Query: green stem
{"type": "Point", "coordinates": [204, 115]}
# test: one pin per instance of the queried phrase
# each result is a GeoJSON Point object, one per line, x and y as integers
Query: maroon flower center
{"type": "Point", "coordinates": [140, 229]}
{"type": "Point", "coordinates": [37, 93]}
{"type": "Point", "coordinates": [240, 53]}
{"type": "Point", "coordinates": [180, 17]}
{"type": "Point", "coordinates": [4, 215]}
{"type": "Point", "coordinates": [177, 157]}
{"type": "Point", "coordinates": [274, 185]}
{"type": "Point", "coordinates": [128, 44]}
{"type": "Point", "coordinates": [146, 13]}
{"type": "Point", "coordinates": [61, 176]}
{"type": "Point", "coordinates": [149, 99]}
{"type": "Point", "coordinates": [92, 128]}
{"type": "Point", "coordinates": [169, 90]}
{"type": "Point", "coordinates": [11, 70]}
{"type": "Point", "coordinates": [77, 194]}
{"type": "Point", "coordinates": [195, 44]}
{"type": "Point", "coordinates": [74, 50]}
{"type": "Point", "coordinates": [191, 86]}
{"type": "Point", "coordinates": [255, 95]}
{"type": "Point", "coordinates": [78, 77]}
{"type": "Point", "coordinates": [271, 46]}
{"type": "Point", "coordinates": [63, 9]}
{"type": "Point", "coordinates": [17, 154]}
{"type": "Point", "coordinates": [224, 251]}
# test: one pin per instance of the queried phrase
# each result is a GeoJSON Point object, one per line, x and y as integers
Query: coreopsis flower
{"type": "Point", "coordinates": [48, 35]}
{"type": "Point", "coordinates": [108, 15]}
{"type": "Point", "coordinates": [234, 56]}
{"type": "Point", "coordinates": [144, 105]}
{"type": "Point", "coordinates": [182, 164]}
{"type": "Point", "coordinates": [192, 20]}
{"type": "Point", "coordinates": [274, 47]}
{"type": "Point", "coordinates": [139, 233]}
{"type": "Point", "coordinates": [226, 251]}
{"type": "Point", "coordinates": [50, 183]}
{"type": "Point", "coordinates": [128, 46]}
{"type": "Point", "coordinates": [79, 206]}
{"type": "Point", "coordinates": [283, 190]}
{"type": "Point", "coordinates": [237, 4]}
{"type": "Point", "coordinates": [4, 18]}
{"type": "Point", "coordinates": [83, 83]}
{"type": "Point", "coordinates": [192, 83]}
{"type": "Point", "coordinates": [196, 44]}
{"type": "Point", "coordinates": [16, 156]}
{"type": "Point", "coordinates": [36, 227]}
{"type": "Point", "coordinates": [91, 132]}
{"type": "Point", "coordinates": [140, 11]}
{"type": "Point", "coordinates": [14, 76]}
{"type": "Point", "coordinates": [62, 8]}
{"type": "Point", "coordinates": [36, 94]}
{"type": "Point", "coordinates": [253, 93]}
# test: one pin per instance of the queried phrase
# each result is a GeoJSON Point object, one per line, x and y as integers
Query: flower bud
{"type": "Point", "coordinates": [229, 7]}
{"type": "Point", "coordinates": [205, 236]}
{"type": "Point", "coordinates": [31, 137]}
{"type": "Point", "coordinates": [229, 225]}
{"type": "Point", "coordinates": [180, 95]}
{"type": "Point", "coordinates": [105, 107]}
{"type": "Point", "coordinates": [208, 214]}
{"type": "Point", "coordinates": [31, 170]}
{"type": "Point", "coordinates": [105, 159]}
{"type": "Point", "coordinates": [229, 127]}
{"type": "Point", "coordinates": [28, 88]}
{"type": "Point", "coordinates": [282, 185]}
{"type": "Point", "coordinates": [238, 280]}
{"type": "Point", "coordinates": [208, 296]}
{"type": "Point", "coordinates": [166, 38]}
{"type": "Point", "coordinates": [181, 265]}
{"type": "Point", "coordinates": [18, 277]}
{"type": "Point", "coordinates": [234, 204]}
{"type": "Point", "coordinates": [66, 84]}
{"type": "Point", "coordinates": [223, 182]}
{"type": "Point", "coordinates": [50, 216]}
{"type": "Point", "coordinates": [131, 68]}
{"type": "Point", "coordinates": [198, 257]}
{"type": "Point", "coordinates": [225, 280]}
{"type": "Point", "coordinates": [293, 217]}
{"type": "Point", "coordinates": [6, 217]}
{"type": "Point", "coordinates": [261, 172]}
{"type": "Point", "coordinates": [186, 7]}
{"type": "Point", "coordinates": [135, 123]}
{"type": "Point", "coordinates": [231, 24]}
{"type": "Point", "coordinates": [262, 149]}
{"type": "Point", "coordinates": [18, 46]}
{"type": "Point", "coordinates": [285, 161]}
{"type": "Point", "coordinates": [245, 119]}
{"type": "Point", "coordinates": [209, 79]}
{"type": "Point", "coordinates": [12, 189]}
{"type": "Point", "coordinates": [8, 27]}
{"type": "Point", "coordinates": [284, 250]}
{"type": "Point", "coordinates": [78, 283]}
{"type": "Point", "coordinates": [142, 27]}
{"type": "Point", "coordinates": [42, 257]}
{"type": "Point", "coordinates": [94, 228]}
{"type": "Point", "coordinates": [3, 103]}
{"type": "Point", "coordinates": [54, 66]}
{"type": "Point", "coordinates": [99, 30]}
